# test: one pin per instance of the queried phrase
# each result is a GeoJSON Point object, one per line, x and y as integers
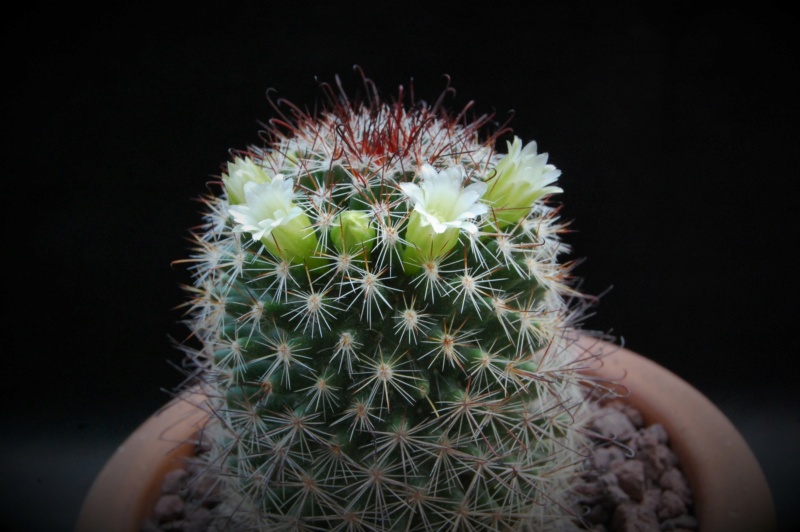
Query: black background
{"type": "Point", "coordinates": [675, 127]}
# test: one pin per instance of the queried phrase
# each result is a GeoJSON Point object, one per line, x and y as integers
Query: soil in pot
{"type": "Point", "coordinates": [632, 480]}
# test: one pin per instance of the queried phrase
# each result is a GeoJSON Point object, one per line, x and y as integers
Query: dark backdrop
{"type": "Point", "coordinates": [675, 128]}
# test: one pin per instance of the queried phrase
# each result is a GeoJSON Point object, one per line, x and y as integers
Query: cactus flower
{"type": "Point", "coordinates": [443, 207]}
{"type": "Point", "coordinates": [521, 178]}
{"type": "Point", "coordinates": [270, 215]}
{"type": "Point", "coordinates": [240, 172]}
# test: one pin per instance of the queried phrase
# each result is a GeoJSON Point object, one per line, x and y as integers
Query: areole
{"type": "Point", "coordinates": [730, 490]}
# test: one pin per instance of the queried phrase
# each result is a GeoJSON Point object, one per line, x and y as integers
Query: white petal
{"type": "Point", "coordinates": [413, 192]}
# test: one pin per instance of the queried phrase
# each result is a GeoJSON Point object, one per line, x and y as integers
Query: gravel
{"type": "Point", "coordinates": [632, 482]}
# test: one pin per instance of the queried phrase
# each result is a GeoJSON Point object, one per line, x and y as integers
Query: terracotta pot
{"type": "Point", "coordinates": [126, 489]}
{"type": "Point", "coordinates": [730, 490]}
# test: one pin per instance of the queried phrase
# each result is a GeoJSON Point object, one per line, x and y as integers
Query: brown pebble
{"type": "Point", "coordinates": [198, 519]}
{"type": "Point", "coordinates": [634, 415]}
{"type": "Point", "coordinates": [651, 499]}
{"type": "Point", "coordinates": [632, 517]}
{"type": "Point", "coordinates": [611, 468]}
{"type": "Point", "coordinates": [169, 507]}
{"type": "Point", "coordinates": [655, 456]}
{"type": "Point", "coordinates": [644, 440]}
{"type": "Point", "coordinates": [605, 457]}
{"type": "Point", "coordinates": [673, 479]}
{"type": "Point", "coordinates": [613, 492]}
{"type": "Point", "coordinates": [629, 410]}
{"type": "Point", "coordinates": [666, 457]}
{"type": "Point", "coordinates": [588, 493]}
{"type": "Point", "coordinates": [613, 424]}
{"type": "Point", "coordinates": [658, 431]}
{"type": "Point", "coordinates": [630, 477]}
{"type": "Point", "coordinates": [173, 481]}
{"type": "Point", "coordinates": [672, 505]}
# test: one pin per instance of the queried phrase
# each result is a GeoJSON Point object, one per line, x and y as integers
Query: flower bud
{"type": "Point", "coordinates": [425, 243]}
{"type": "Point", "coordinates": [521, 178]}
{"type": "Point", "coordinates": [352, 233]}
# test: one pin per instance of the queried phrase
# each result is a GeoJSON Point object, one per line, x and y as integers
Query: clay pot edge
{"type": "Point", "coordinates": [138, 466]}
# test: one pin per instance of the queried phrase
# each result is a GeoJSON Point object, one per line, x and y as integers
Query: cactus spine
{"type": "Point", "coordinates": [386, 325]}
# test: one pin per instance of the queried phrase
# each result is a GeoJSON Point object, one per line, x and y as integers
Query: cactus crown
{"type": "Point", "coordinates": [387, 325]}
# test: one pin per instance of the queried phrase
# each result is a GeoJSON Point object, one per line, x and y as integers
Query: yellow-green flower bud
{"type": "Point", "coordinates": [521, 178]}
{"type": "Point", "coordinates": [351, 232]}
{"type": "Point", "coordinates": [425, 243]}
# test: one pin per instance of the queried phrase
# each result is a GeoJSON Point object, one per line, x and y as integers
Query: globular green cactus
{"type": "Point", "coordinates": [387, 324]}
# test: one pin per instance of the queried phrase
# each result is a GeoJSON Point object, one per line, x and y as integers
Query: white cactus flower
{"type": "Point", "coordinates": [443, 203]}
{"type": "Point", "coordinates": [443, 207]}
{"type": "Point", "coordinates": [240, 172]}
{"type": "Point", "coordinates": [270, 215]}
{"type": "Point", "coordinates": [267, 206]}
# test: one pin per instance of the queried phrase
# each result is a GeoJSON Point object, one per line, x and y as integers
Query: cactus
{"type": "Point", "coordinates": [386, 324]}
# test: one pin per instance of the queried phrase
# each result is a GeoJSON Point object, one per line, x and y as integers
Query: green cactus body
{"type": "Point", "coordinates": [386, 338]}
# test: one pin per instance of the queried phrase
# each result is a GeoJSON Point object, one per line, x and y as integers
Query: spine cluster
{"type": "Point", "coordinates": [386, 325]}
